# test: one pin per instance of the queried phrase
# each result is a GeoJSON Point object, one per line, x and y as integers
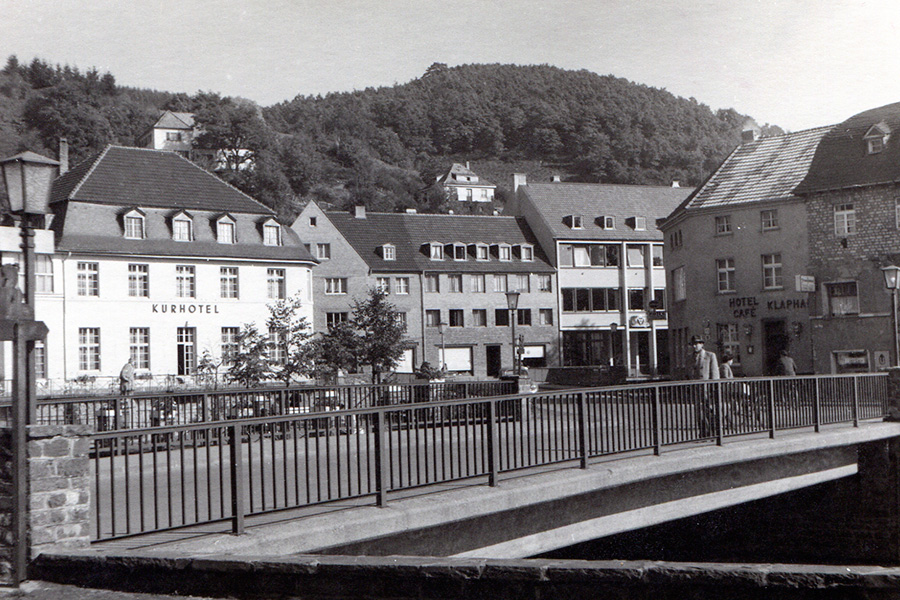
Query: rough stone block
{"type": "Point", "coordinates": [56, 447]}
{"type": "Point", "coordinates": [57, 500]}
{"type": "Point", "coordinates": [41, 468]}
{"type": "Point", "coordinates": [73, 467]}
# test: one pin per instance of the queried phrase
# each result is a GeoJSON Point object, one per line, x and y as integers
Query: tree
{"type": "Point", "coordinates": [334, 351]}
{"type": "Point", "coordinates": [382, 336]}
{"type": "Point", "coordinates": [250, 365]}
{"type": "Point", "coordinates": [290, 354]}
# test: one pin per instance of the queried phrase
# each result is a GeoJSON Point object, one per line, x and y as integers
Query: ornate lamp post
{"type": "Point", "coordinates": [892, 282]}
{"type": "Point", "coordinates": [512, 302]}
{"type": "Point", "coordinates": [28, 178]}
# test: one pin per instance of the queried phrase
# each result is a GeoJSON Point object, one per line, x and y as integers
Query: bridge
{"type": "Point", "coordinates": [464, 470]}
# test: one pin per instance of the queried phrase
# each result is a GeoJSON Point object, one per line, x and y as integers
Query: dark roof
{"type": "Point", "coordinates": [765, 169]}
{"type": "Point", "coordinates": [842, 159]}
{"type": "Point", "coordinates": [174, 120]}
{"type": "Point", "coordinates": [142, 177]}
{"type": "Point", "coordinates": [409, 233]}
{"type": "Point", "coordinates": [462, 171]}
{"type": "Point", "coordinates": [556, 201]}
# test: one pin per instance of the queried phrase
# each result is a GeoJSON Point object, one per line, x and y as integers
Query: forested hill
{"type": "Point", "coordinates": [382, 146]}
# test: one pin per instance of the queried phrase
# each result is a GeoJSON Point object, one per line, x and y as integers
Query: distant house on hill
{"type": "Point", "coordinates": [462, 184]}
{"type": "Point", "coordinates": [176, 131]}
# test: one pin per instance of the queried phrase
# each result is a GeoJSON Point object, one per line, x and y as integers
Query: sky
{"type": "Point", "coordinates": [792, 63]}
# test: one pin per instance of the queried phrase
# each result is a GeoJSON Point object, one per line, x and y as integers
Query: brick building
{"type": "Point", "coordinates": [853, 206]}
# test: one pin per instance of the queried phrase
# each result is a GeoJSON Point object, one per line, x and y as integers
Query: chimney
{"type": "Point", "coordinates": [359, 211]}
{"type": "Point", "coordinates": [519, 179]}
{"type": "Point", "coordinates": [676, 184]}
{"type": "Point", "coordinates": [750, 132]}
{"type": "Point", "coordinates": [63, 155]}
{"type": "Point", "coordinates": [556, 179]}
{"type": "Point", "coordinates": [467, 164]}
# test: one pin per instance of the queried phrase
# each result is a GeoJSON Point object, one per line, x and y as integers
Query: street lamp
{"type": "Point", "coordinates": [892, 282]}
{"type": "Point", "coordinates": [28, 179]}
{"type": "Point", "coordinates": [443, 348]}
{"type": "Point", "coordinates": [512, 302]}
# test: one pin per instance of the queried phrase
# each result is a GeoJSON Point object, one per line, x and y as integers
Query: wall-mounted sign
{"type": "Point", "coordinates": [805, 283]}
{"type": "Point", "coordinates": [851, 361]}
{"type": "Point", "coordinates": [882, 360]}
{"type": "Point", "coordinates": [638, 321]}
{"type": "Point", "coordinates": [184, 309]}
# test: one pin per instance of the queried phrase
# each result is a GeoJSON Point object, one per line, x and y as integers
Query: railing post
{"type": "Point", "coordinates": [657, 422]}
{"type": "Point", "coordinates": [772, 408]}
{"type": "Point", "coordinates": [856, 401]}
{"type": "Point", "coordinates": [493, 444]}
{"type": "Point", "coordinates": [237, 480]}
{"type": "Point", "coordinates": [817, 408]}
{"type": "Point", "coordinates": [582, 429]}
{"type": "Point", "coordinates": [720, 417]}
{"type": "Point", "coordinates": [381, 458]}
{"type": "Point", "coordinates": [204, 408]}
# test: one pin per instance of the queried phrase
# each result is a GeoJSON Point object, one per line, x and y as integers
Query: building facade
{"type": "Point", "coordinates": [462, 184]}
{"type": "Point", "coordinates": [172, 131]}
{"type": "Point", "coordinates": [608, 252]}
{"type": "Point", "coordinates": [447, 275]}
{"type": "Point", "coordinates": [737, 257]}
{"type": "Point", "coordinates": [159, 261]}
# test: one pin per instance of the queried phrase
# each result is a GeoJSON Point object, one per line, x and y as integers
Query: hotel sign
{"type": "Point", "coordinates": [185, 309]}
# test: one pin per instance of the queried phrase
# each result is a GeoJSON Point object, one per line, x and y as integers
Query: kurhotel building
{"type": "Point", "coordinates": [157, 260]}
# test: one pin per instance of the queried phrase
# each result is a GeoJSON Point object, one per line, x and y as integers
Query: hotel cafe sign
{"type": "Point", "coordinates": [750, 307]}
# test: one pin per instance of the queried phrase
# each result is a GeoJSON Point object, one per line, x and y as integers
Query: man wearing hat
{"type": "Point", "coordinates": [703, 365]}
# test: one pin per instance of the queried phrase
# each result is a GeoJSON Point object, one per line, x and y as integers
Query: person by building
{"type": "Point", "coordinates": [126, 378]}
{"type": "Point", "coordinates": [725, 371]}
{"type": "Point", "coordinates": [786, 365]}
{"type": "Point", "coordinates": [704, 365]}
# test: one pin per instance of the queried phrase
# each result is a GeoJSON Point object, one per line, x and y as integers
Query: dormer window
{"type": "Point", "coordinates": [574, 221]}
{"type": "Point", "coordinates": [608, 222]}
{"type": "Point", "coordinates": [482, 252]}
{"type": "Point", "coordinates": [877, 138]}
{"type": "Point", "coordinates": [436, 251]}
{"type": "Point", "coordinates": [134, 225]}
{"type": "Point", "coordinates": [527, 253]}
{"type": "Point", "coordinates": [271, 233]}
{"type": "Point", "coordinates": [640, 223]}
{"type": "Point", "coordinates": [459, 252]}
{"type": "Point", "coordinates": [505, 252]}
{"type": "Point", "coordinates": [389, 252]}
{"type": "Point", "coordinates": [225, 230]}
{"type": "Point", "coordinates": [182, 227]}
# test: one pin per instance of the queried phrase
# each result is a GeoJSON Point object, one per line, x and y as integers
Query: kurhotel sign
{"type": "Point", "coordinates": [204, 309]}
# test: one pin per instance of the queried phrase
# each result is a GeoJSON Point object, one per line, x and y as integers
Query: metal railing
{"type": "Point", "coordinates": [178, 475]}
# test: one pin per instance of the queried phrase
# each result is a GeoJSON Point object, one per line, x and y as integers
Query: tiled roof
{"type": "Point", "coordinates": [768, 168]}
{"type": "Point", "coordinates": [842, 159]}
{"type": "Point", "coordinates": [463, 171]}
{"type": "Point", "coordinates": [142, 177]}
{"type": "Point", "coordinates": [410, 232]}
{"type": "Point", "coordinates": [175, 120]}
{"type": "Point", "coordinates": [556, 201]}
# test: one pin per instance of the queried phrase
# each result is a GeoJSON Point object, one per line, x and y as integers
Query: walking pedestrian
{"type": "Point", "coordinates": [126, 378]}
{"type": "Point", "coordinates": [703, 365]}
{"type": "Point", "coordinates": [725, 371]}
{"type": "Point", "coordinates": [786, 365]}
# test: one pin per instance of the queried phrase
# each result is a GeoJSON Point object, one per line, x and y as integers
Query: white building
{"type": "Point", "coordinates": [157, 260]}
{"type": "Point", "coordinates": [464, 185]}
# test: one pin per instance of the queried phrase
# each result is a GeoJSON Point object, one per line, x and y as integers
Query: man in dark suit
{"type": "Point", "coordinates": [704, 365]}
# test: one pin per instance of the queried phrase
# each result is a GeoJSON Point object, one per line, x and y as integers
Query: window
{"type": "Point", "coordinates": [173, 136]}
{"type": "Point", "coordinates": [389, 252]}
{"type": "Point", "coordinates": [574, 221]}
{"type": "Point", "coordinates": [527, 253]}
{"type": "Point", "coordinates": [402, 286]}
{"type": "Point", "coordinates": [500, 283]}
{"type": "Point", "coordinates": [323, 251]}
{"type": "Point", "coordinates": [657, 255]}
{"type": "Point", "coordinates": [523, 283]}
{"type": "Point", "coordinates": [40, 360]}
{"type": "Point", "coordinates": [400, 317]}
{"type": "Point", "coordinates": [545, 283]}
{"type": "Point", "coordinates": [88, 279]}
{"type": "Point", "coordinates": [874, 145]}
{"type": "Point", "coordinates": [608, 222]}
{"type": "Point", "coordinates": [505, 252]}
{"type": "Point", "coordinates": [479, 317]}
{"type": "Point", "coordinates": [482, 252]}
{"type": "Point", "coordinates": [469, 193]}
{"type": "Point", "coordinates": [501, 317]}
{"type": "Point", "coordinates": [843, 298]}
{"type": "Point", "coordinates": [383, 284]}
{"type": "Point", "coordinates": [725, 274]}
{"type": "Point", "coordinates": [589, 255]}
{"type": "Point", "coordinates": [182, 229]}
{"type": "Point", "coordinates": [640, 223]}
{"type": "Point", "coordinates": [635, 254]}
{"type": "Point", "coordinates": [334, 319]}
{"type": "Point", "coordinates": [456, 318]}
{"type": "Point", "coordinates": [89, 348]}
{"type": "Point", "coordinates": [432, 318]}
{"type": "Point", "coordinates": [768, 219]}
{"type": "Point", "coordinates": [335, 286]}
{"type": "Point", "coordinates": [185, 281]}
{"type": "Point", "coordinates": [313, 221]}
{"type": "Point", "coordinates": [636, 297]}
{"type": "Point", "coordinates": [844, 220]}
{"type": "Point", "coordinates": [228, 282]}
{"type": "Point", "coordinates": [272, 234]}
{"type": "Point", "coordinates": [276, 286]}
{"type": "Point", "coordinates": [523, 316]}
{"type": "Point", "coordinates": [545, 316]}
{"type": "Point", "coordinates": [186, 350]}
{"type": "Point", "coordinates": [659, 296]}
{"type": "Point", "coordinates": [591, 299]}
{"type": "Point", "coordinates": [276, 349]}
{"type": "Point", "coordinates": [771, 267]}
{"type": "Point", "coordinates": [459, 252]}
{"type": "Point", "coordinates": [728, 334]}
{"type": "Point", "coordinates": [43, 274]}
{"type": "Point", "coordinates": [723, 225]}
{"type": "Point", "coordinates": [437, 252]}
{"type": "Point", "coordinates": [456, 283]}
{"type": "Point", "coordinates": [675, 240]}
{"type": "Point", "coordinates": [225, 231]}
{"type": "Point", "coordinates": [138, 281]}
{"type": "Point", "coordinates": [432, 283]}
{"type": "Point", "coordinates": [476, 283]}
{"type": "Point", "coordinates": [678, 284]}
{"type": "Point", "coordinates": [134, 226]}
{"type": "Point", "coordinates": [229, 344]}
{"type": "Point", "coordinates": [139, 347]}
